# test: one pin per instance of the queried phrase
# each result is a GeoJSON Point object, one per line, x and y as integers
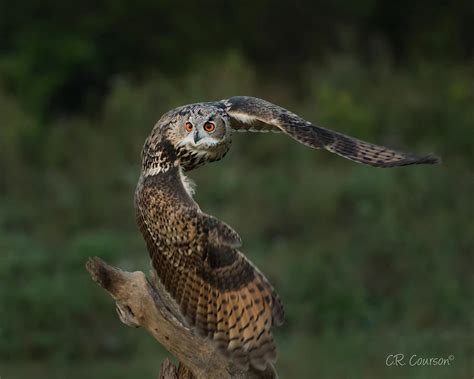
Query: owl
{"type": "Point", "coordinates": [197, 258]}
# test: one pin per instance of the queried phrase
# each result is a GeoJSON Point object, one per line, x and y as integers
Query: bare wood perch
{"type": "Point", "coordinates": [140, 302]}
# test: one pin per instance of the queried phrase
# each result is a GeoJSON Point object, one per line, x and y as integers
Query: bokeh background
{"type": "Point", "coordinates": [368, 262]}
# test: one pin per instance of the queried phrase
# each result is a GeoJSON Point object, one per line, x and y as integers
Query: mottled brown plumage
{"type": "Point", "coordinates": [252, 114]}
{"type": "Point", "coordinates": [196, 257]}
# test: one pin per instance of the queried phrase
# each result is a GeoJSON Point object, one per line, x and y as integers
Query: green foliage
{"type": "Point", "coordinates": [359, 255]}
{"type": "Point", "coordinates": [59, 57]}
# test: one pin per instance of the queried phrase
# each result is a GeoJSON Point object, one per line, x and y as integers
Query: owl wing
{"type": "Point", "coordinates": [253, 114]}
{"type": "Point", "coordinates": [237, 306]}
{"type": "Point", "coordinates": [218, 290]}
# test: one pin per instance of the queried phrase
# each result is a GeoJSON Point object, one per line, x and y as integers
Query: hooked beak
{"type": "Point", "coordinates": [196, 137]}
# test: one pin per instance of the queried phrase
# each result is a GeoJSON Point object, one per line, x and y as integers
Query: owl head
{"type": "Point", "coordinates": [199, 133]}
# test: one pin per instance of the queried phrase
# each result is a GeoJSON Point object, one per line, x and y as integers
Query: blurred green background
{"type": "Point", "coordinates": [368, 262]}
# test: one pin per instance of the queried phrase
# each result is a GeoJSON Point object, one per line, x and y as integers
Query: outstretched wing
{"type": "Point", "coordinates": [253, 114]}
{"type": "Point", "coordinates": [218, 290]}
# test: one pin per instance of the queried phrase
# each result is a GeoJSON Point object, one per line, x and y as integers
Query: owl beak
{"type": "Point", "coordinates": [196, 137]}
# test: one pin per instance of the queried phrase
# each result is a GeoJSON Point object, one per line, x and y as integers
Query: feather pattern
{"type": "Point", "coordinates": [197, 257]}
{"type": "Point", "coordinates": [218, 290]}
{"type": "Point", "coordinates": [253, 114]}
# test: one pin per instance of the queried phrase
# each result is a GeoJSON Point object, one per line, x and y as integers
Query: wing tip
{"type": "Point", "coordinates": [406, 161]}
{"type": "Point", "coordinates": [430, 159]}
{"type": "Point", "coordinates": [426, 159]}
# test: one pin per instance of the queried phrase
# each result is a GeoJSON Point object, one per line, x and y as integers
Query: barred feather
{"type": "Point", "coordinates": [252, 114]}
{"type": "Point", "coordinates": [220, 293]}
{"type": "Point", "coordinates": [217, 290]}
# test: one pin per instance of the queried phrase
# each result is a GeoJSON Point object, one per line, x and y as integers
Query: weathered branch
{"type": "Point", "coordinates": [141, 303]}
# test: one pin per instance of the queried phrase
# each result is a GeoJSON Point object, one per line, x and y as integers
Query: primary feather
{"type": "Point", "coordinates": [253, 114]}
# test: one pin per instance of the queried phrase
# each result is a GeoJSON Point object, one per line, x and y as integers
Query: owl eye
{"type": "Point", "coordinates": [209, 127]}
{"type": "Point", "coordinates": [188, 126]}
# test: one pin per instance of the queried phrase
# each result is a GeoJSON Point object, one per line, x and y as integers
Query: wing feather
{"type": "Point", "coordinates": [253, 114]}
{"type": "Point", "coordinates": [220, 293]}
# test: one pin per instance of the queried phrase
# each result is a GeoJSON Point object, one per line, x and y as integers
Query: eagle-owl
{"type": "Point", "coordinates": [220, 293]}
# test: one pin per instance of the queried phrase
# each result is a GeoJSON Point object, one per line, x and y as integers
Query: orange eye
{"type": "Point", "coordinates": [209, 127]}
{"type": "Point", "coordinates": [188, 126]}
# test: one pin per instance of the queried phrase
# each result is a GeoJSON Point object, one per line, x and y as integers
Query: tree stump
{"type": "Point", "coordinates": [141, 302]}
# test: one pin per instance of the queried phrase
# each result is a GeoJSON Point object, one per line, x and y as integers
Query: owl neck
{"type": "Point", "coordinates": [159, 158]}
{"type": "Point", "coordinates": [163, 170]}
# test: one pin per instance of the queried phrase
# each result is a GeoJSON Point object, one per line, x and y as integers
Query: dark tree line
{"type": "Point", "coordinates": [61, 56]}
